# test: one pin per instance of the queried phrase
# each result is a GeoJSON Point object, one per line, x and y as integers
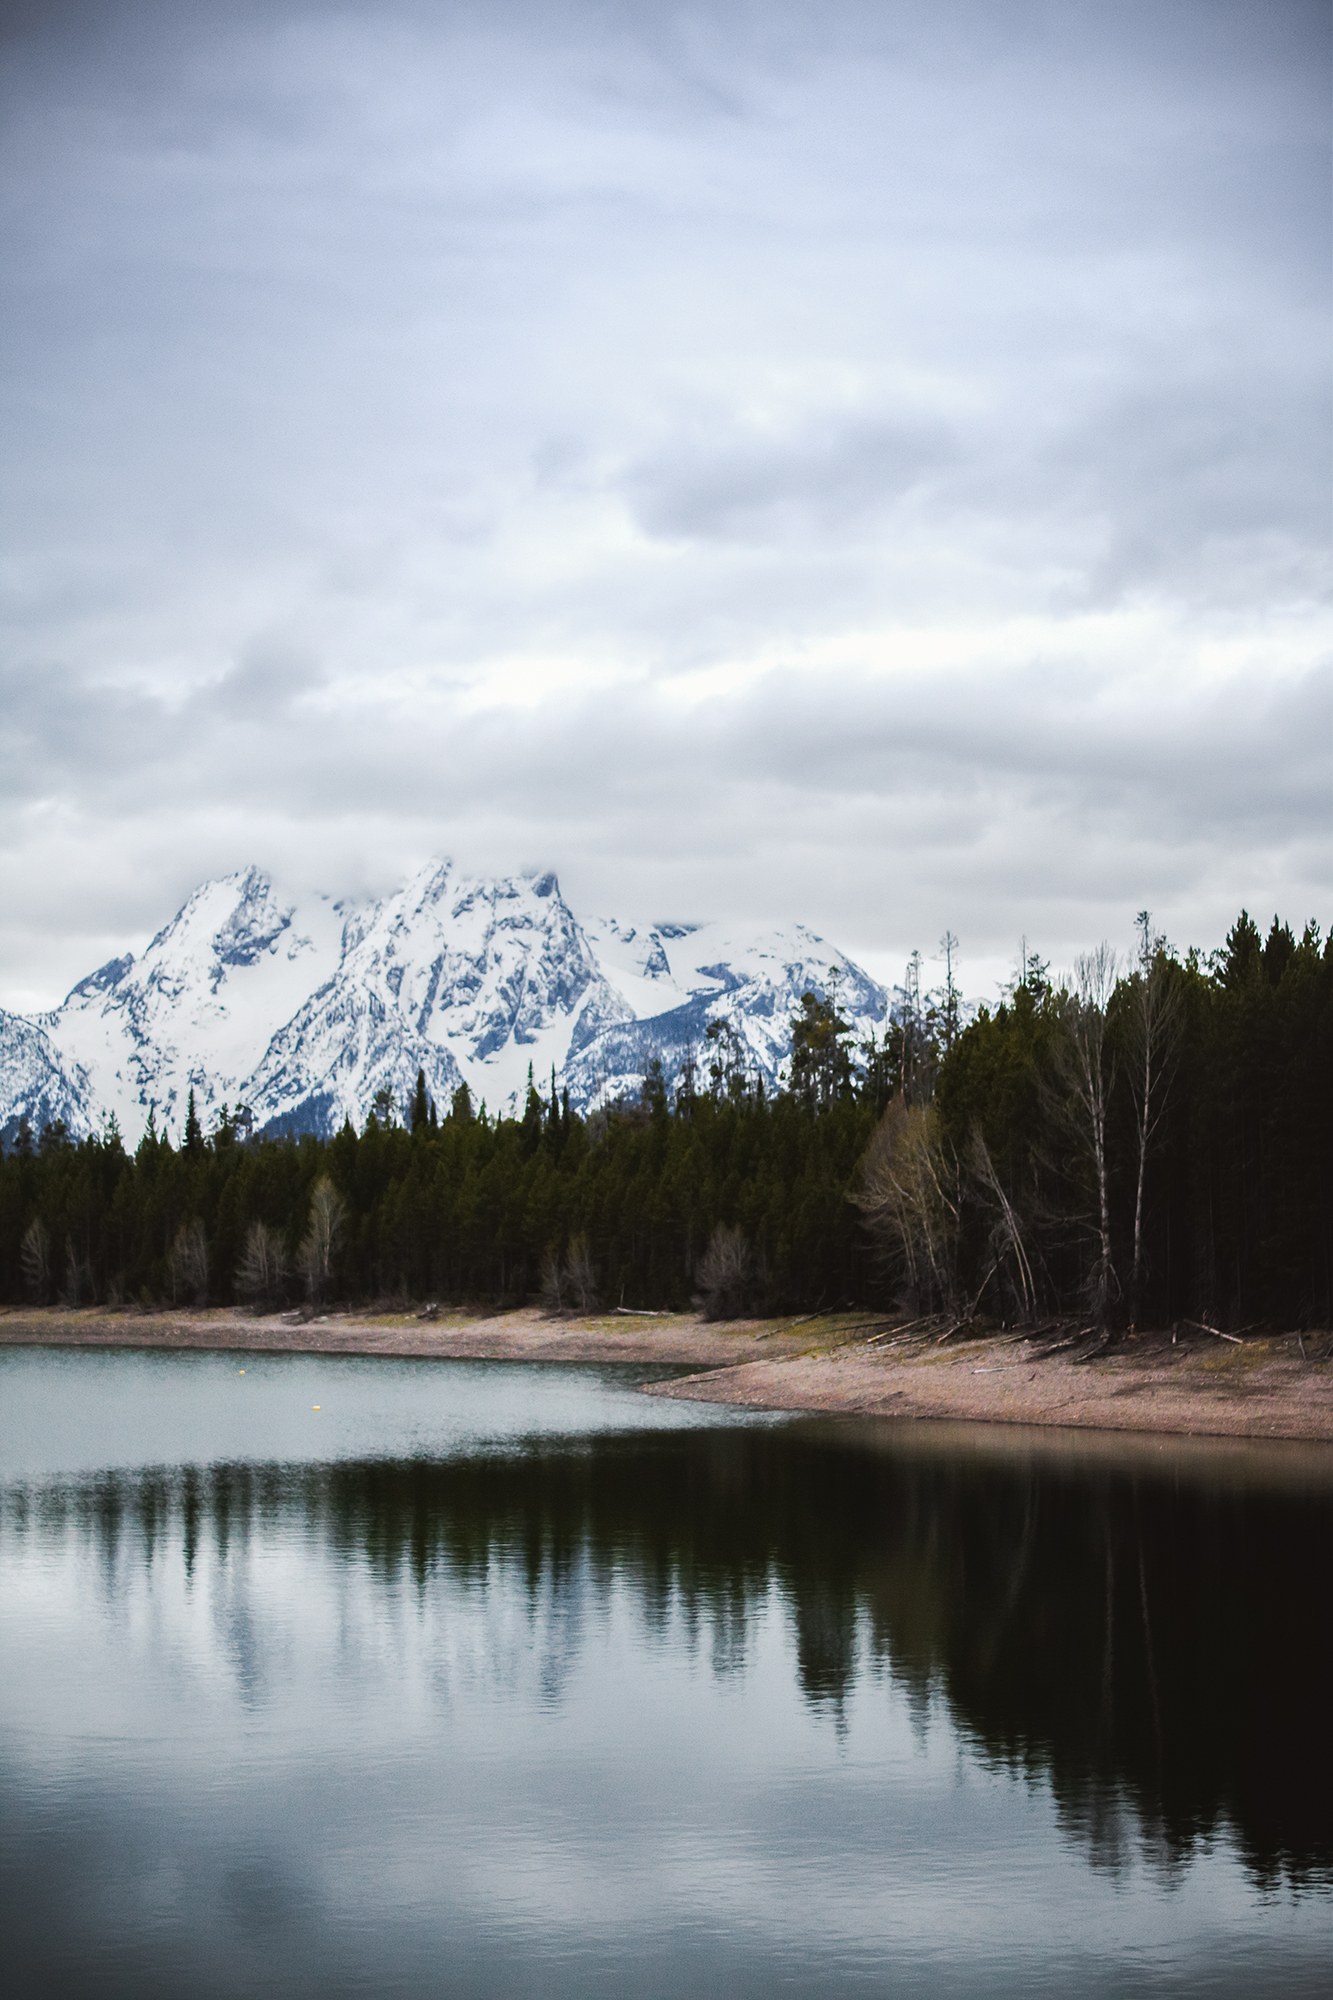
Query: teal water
{"type": "Point", "coordinates": [486, 1679]}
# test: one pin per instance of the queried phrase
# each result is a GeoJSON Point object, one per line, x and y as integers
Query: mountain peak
{"type": "Point", "coordinates": [304, 1008]}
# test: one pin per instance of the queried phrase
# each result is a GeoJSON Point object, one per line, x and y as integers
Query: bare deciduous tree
{"type": "Point", "coordinates": [78, 1283]}
{"type": "Point", "coordinates": [188, 1261]}
{"type": "Point", "coordinates": [580, 1277]}
{"type": "Point", "coordinates": [551, 1283]}
{"type": "Point", "coordinates": [569, 1285]}
{"type": "Point", "coordinates": [1006, 1236]}
{"type": "Point", "coordinates": [724, 1274]}
{"type": "Point", "coordinates": [263, 1269]}
{"type": "Point", "coordinates": [35, 1257]}
{"type": "Point", "coordinates": [1087, 1072]}
{"type": "Point", "coordinates": [327, 1210]}
{"type": "Point", "coordinates": [910, 1197]}
{"type": "Point", "coordinates": [1154, 1025]}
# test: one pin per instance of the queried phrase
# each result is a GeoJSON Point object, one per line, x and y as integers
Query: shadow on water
{"type": "Point", "coordinates": [1156, 1643]}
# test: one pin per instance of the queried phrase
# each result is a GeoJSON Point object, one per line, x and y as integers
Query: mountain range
{"type": "Point", "coordinates": [304, 1010]}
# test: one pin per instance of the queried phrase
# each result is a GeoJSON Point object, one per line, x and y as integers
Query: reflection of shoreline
{"type": "Point", "coordinates": [1205, 1388]}
{"type": "Point", "coordinates": [1137, 1636]}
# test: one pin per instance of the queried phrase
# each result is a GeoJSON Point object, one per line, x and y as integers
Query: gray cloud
{"type": "Point", "coordinates": [749, 486]}
{"type": "Point", "coordinates": [870, 465]}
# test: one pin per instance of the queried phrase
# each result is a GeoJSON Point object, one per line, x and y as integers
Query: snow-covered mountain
{"type": "Point", "coordinates": [305, 1010]}
{"type": "Point", "coordinates": [196, 1011]}
{"type": "Point", "coordinates": [36, 1084]}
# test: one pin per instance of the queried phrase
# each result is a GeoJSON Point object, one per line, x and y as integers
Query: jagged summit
{"type": "Point", "coordinates": [304, 1010]}
{"type": "Point", "coordinates": [197, 1010]}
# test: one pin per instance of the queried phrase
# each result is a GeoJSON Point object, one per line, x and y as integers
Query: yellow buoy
{"type": "Point", "coordinates": [314, 1406]}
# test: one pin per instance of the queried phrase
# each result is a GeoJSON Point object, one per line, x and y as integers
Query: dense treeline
{"type": "Point", "coordinates": [1151, 1147]}
{"type": "Point", "coordinates": [1207, 1089]}
{"type": "Point", "coordinates": [619, 1209]}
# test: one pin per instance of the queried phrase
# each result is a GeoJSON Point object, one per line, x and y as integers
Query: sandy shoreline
{"type": "Point", "coordinates": [842, 1364]}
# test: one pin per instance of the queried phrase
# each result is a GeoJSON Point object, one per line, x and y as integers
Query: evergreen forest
{"type": "Point", "coordinates": [1140, 1143]}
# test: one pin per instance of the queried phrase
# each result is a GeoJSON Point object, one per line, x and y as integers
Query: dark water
{"type": "Point", "coordinates": [486, 1679]}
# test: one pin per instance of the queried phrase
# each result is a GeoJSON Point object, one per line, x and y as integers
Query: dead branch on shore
{"type": "Point", "coordinates": [1216, 1331]}
{"type": "Point", "coordinates": [959, 1326]}
{"type": "Point", "coordinates": [893, 1332]}
{"type": "Point", "coordinates": [1059, 1346]}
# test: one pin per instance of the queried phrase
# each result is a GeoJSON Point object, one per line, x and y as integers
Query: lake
{"type": "Point", "coordinates": [350, 1676]}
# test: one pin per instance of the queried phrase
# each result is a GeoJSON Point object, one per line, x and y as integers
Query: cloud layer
{"type": "Point", "coordinates": [866, 464]}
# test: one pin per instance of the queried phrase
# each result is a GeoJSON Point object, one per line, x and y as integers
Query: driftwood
{"type": "Point", "coordinates": [1070, 1340]}
{"type": "Point", "coordinates": [636, 1312]}
{"type": "Point", "coordinates": [892, 1333]}
{"type": "Point", "coordinates": [1216, 1331]}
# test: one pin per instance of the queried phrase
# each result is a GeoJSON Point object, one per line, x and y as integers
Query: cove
{"type": "Point", "coordinates": [488, 1678]}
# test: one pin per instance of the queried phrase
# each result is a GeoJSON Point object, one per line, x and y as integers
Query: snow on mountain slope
{"type": "Point", "coordinates": [304, 1014]}
{"type": "Point", "coordinates": [200, 1006]}
{"type": "Point", "coordinates": [748, 975]}
{"type": "Point", "coordinates": [37, 1085]}
{"type": "Point", "coordinates": [634, 962]}
{"type": "Point", "coordinates": [467, 979]}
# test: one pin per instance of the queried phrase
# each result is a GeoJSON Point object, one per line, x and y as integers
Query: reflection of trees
{"type": "Point", "coordinates": [1160, 1650]}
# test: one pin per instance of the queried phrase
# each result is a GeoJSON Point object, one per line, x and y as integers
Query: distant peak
{"type": "Point", "coordinates": [105, 977]}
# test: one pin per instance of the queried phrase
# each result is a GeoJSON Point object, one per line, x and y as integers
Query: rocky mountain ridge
{"type": "Point", "coordinates": [304, 1009]}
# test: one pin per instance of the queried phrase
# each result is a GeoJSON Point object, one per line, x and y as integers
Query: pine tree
{"type": "Point", "coordinates": [533, 1116]}
{"type": "Point", "coordinates": [194, 1138]}
{"type": "Point", "coordinates": [820, 1064]}
{"type": "Point", "coordinates": [420, 1104]}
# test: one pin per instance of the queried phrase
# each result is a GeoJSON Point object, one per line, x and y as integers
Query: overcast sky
{"type": "Point", "coordinates": [867, 464]}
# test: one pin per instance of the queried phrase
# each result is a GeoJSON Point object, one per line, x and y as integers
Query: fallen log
{"type": "Point", "coordinates": [1216, 1331]}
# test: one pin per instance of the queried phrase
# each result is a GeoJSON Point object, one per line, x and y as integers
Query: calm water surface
{"type": "Point", "coordinates": [502, 1680]}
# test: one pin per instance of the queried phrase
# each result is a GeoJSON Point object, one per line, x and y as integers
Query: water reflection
{"type": "Point", "coordinates": [1154, 1646]}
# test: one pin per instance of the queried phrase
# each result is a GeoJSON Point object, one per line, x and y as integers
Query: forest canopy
{"type": "Point", "coordinates": [1139, 1142]}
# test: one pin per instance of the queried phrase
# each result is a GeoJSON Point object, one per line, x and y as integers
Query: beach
{"type": "Point", "coordinates": [1193, 1384]}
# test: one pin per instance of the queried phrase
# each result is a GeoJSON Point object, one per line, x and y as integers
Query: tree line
{"type": "Point", "coordinates": [1141, 1143]}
